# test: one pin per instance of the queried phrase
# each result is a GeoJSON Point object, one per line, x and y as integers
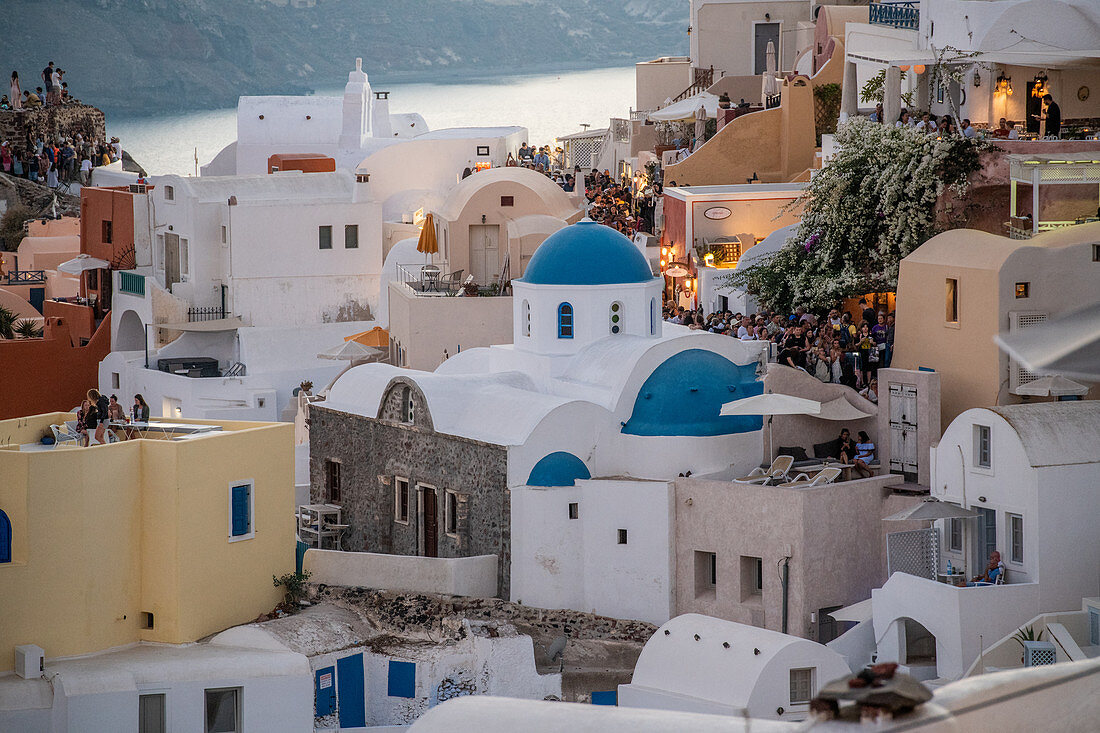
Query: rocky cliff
{"type": "Point", "coordinates": [161, 55]}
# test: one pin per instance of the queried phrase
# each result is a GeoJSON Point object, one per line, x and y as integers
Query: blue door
{"type": "Point", "coordinates": [325, 689]}
{"type": "Point", "coordinates": [5, 537]}
{"type": "Point", "coordinates": [349, 679]}
{"type": "Point", "coordinates": [37, 296]}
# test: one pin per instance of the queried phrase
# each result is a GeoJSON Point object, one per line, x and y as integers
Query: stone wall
{"type": "Point", "coordinates": [20, 128]}
{"type": "Point", "coordinates": [372, 452]}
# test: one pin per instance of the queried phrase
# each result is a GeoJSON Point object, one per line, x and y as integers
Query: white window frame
{"type": "Point", "coordinates": [809, 692]}
{"type": "Point", "coordinates": [397, 480]}
{"type": "Point", "coordinates": [251, 483]}
{"type": "Point", "coordinates": [979, 431]}
{"type": "Point", "coordinates": [169, 193]}
{"type": "Point", "coordinates": [144, 690]}
{"type": "Point", "coordinates": [239, 708]}
{"type": "Point", "coordinates": [952, 526]}
{"type": "Point", "coordinates": [328, 489]}
{"type": "Point", "coordinates": [450, 515]}
{"type": "Point", "coordinates": [1012, 557]}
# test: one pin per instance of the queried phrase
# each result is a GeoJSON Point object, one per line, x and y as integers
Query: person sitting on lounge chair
{"type": "Point", "coordinates": [993, 571]}
{"type": "Point", "coordinates": [865, 454]}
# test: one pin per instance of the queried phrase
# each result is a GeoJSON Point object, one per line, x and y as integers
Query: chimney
{"type": "Point", "coordinates": [355, 127]}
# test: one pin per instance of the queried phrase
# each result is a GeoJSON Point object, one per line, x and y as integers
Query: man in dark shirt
{"type": "Point", "coordinates": [47, 76]}
{"type": "Point", "coordinates": [1053, 116]}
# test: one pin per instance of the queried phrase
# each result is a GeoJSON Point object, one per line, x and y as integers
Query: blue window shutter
{"type": "Point", "coordinates": [5, 537]}
{"type": "Point", "coordinates": [241, 520]}
{"type": "Point", "coordinates": [402, 679]}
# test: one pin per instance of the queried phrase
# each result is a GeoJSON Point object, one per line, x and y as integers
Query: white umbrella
{"type": "Point", "coordinates": [80, 263]}
{"type": "Point", "coordinates": [349, 351]}
{"type": "Point", "coordinates": [685, 109]}
{"type": "Point", "coordinates": [1052, 386]}
{"type": "Point", "coordinates": [930, 510]}
{"type": "Point", "coordinates": [856, 612]}
{"type": "Point", "coordinates": [771, 81]}
{"type": "Point", "coordinates": [772, 404]}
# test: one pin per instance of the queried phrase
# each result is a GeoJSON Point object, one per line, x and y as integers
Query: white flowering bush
{"type": "Point", "coordinates": [861, 214]}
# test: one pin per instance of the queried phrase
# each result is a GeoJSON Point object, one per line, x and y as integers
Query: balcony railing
{"type": "Point", "coordinates": [132, 283]}
{"type": "Point", "coordinates": [25, 277]}
{"type": "Point", "coordinates": [895, 14]}
{"type": "Point", "coordinates": [205, 314]}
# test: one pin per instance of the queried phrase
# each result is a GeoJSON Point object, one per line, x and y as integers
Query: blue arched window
{"type": "Point", "coordinates": [565, 321]}
{"type": "Point", "coordinates": [5, 537]}
{"type": "Point", "coordinates": [652, 316]}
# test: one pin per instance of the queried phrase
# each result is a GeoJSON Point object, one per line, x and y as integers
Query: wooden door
{"type": "Point", "coordinates": [484, 252]}
{"type": "Point", "coordinates": [429, 522]}
{"type": "Point", "coordinates": [171, 260]}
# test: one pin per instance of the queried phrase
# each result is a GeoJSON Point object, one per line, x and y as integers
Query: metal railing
{"type": "Point", "coordinates": [26, 277]}
{"type": "Point", "coordinates": [205, 314]}
{"type": "Point", "coordinates": [895, 14]}
{"type": "Point", "coordinates": [132, 283]}
{"type": "Point", "coordinates": [773, 100]}
{"type": "Point", "coordinates": [703, 78]}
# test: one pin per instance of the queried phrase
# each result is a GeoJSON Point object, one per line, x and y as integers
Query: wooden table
{"type": "Point", "coordinates": [318, 521]}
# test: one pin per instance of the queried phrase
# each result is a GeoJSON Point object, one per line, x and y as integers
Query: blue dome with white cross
{"type": "Point", "coordinates": [587, 253]}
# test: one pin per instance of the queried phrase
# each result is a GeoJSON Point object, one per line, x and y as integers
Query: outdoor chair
{"type": "Point", "coordinates": [62, 435]}
{"type": "Point", "coordinates": [825, 476]}
{"type": "Point", "coordinates": [778, 470]}
{"type": "Point", "coordinates": [451, 282]}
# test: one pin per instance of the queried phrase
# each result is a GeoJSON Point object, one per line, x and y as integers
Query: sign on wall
{"type": "Point", "coordinates": [717, 213]}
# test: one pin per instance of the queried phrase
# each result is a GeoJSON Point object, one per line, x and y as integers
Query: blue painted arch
{"type": "Point", "coordinates": [558, 469]}
{"type": "Point", "coordinates": [5, 537]}
{"type": "Point", "coordinates": [685, 393]}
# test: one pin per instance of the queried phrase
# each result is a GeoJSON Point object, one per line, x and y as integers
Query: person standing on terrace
{"type": "Point", "coordinates": [16, 92]}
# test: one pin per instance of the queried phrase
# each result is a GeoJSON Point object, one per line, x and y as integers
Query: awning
{"type": "Point", "coordinates": [838, 409]}
{"type": "Point", "coordinates": [1068, 345]}
{"type": "Point", "coordinates": [841, 409]}
{"type": "Point", "coordinates": [931, 510]}
{"type": "Point", "coordinates": [685, 109]}
{"type": "Point", "coordinates": [349, 351]}
{"type": "Point", "coordinates": [1052, 386]}
{"type": "Point", "coordinates": [858, 612]}
{"type": "Point", "coordinates": [213, 326]}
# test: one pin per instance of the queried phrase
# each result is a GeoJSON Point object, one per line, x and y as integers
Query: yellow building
{"type": "Point", "coordinates": [143, 540]}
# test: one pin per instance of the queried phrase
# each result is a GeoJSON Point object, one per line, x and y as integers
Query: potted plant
{"type": "Point", "coordinates": [1027, 633]}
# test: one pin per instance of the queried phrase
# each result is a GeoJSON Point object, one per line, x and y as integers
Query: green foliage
{"type": "Point", "coordinates": [11, 226]}
{"type": "Point", "coordinates": [27, 329]}
{"type": "Point", "coordinates": [7, 323]}
{"type": "Point", "coordinates": [294, 585]}
{"type": "Point", "coordinates": [1027, 633]}
{"type": "Point", "coordinates": [828, 94]}
{"type": "Point", "coordinates": [872, 205]}
{"type": "Point", "coordinates": [875, 89]}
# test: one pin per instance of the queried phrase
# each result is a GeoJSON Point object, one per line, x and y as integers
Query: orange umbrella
{"type": "Point", "coordinates": [377, 337]}
{"type": "Point", "coordinates": [428, 244]}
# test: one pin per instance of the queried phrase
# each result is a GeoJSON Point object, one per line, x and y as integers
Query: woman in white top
{"type": "Point", "coordinates": [16, 92]}
{"type": "Point", "coordinates": [903, 119]}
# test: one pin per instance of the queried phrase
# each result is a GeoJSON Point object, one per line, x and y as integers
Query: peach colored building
{"type": "Point", "coordinates": [961, 288]}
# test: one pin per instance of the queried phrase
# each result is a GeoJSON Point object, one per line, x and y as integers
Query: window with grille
{"type": "Point", "coordinates": [952, 300]}
{"type": "Point", "coordinates": [802, 685]}
{"type": "Point", "coordinates": [615, 318]}
{"type": "Point", "coordinates": [1016, 538]}
{"type": "Point", "coordinates": [982, 446]}
{"type": "Point", "coordinates": [565, 321]}
{"type": "Point", "coordinates": [332, 480]}
{"type": "Point", "coordinates": [507, 200]}
{"type": "Point", "coordinates": [1094, 627]}
{"type": "Point", "coordinates": [401, 499]}
{"type": "Point", "coordinates": [1018, 320]}
{"type": "Point", "coordinates": [169, 193]}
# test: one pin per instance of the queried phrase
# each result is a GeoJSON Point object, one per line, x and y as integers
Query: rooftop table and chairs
{"type": "Point", "coordinates": [318, 522]}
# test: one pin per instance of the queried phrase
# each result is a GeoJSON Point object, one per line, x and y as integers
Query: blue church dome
{"type": "Point", "coordinates": [587, 253]}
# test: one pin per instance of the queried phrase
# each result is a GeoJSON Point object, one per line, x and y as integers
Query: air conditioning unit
{"type": "Point", "coordinates": [30, 661]}
{"type": "Point", "coordinates": [1038, 653]}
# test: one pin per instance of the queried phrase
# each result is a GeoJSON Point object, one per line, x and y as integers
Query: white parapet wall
{"type": "Point", "coordinates": [457, 576]}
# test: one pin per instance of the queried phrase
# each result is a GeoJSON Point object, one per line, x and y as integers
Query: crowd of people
{"type": "Point", "coordinates": [830, 345]}
{"type": "Point", "coordinates": [97, 410]}
{"type": "Point", "coordinates": [1049, 120]}
{"type": "Point", "coordinates": [52, 160]}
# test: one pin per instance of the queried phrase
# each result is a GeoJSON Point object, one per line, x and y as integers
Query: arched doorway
{"type": "Point", "coordinates": [131, 333]}
{"type": "Point", "coordinates": [918, 644]}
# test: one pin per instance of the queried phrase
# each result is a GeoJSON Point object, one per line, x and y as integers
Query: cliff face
{"type": "Point", "coordinates": [163, 55]}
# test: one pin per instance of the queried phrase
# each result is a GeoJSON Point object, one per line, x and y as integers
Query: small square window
{"type": "Point", "coordinates": [401, 500]}
{"type": "Point", "coordinates": [1023, 290]}
{"type": "Point", "coordinates": [482, 149]}
{"type": "Point", "coordinates": [507, 200]}
{"type": "Point", "coordinates": [574, 510]}
{"type": "Point", "coordinates": [402, 679]}
{"type": "Point", "coordinates": [146, 619]}
{"type": "Point", "coordinates": [802, 685]}
{"type": "Point", "coordinates": [622, 536]}
{"type": "Point", "coordinates": [223, 710]}
{"type": "Point", "coordinates": [324, 237]}
{"type": "Point", "coordinates": [706, 573]}
{"type": "Point", "coordinates": [351, 236]}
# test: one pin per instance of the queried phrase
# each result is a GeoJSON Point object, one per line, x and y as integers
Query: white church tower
{"type": "Point", "coordinates": [585, 282]}
{"type": "Point", "coordinates": [356, 127]}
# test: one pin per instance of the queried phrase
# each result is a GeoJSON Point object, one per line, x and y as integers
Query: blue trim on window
{"type": "Point", "coordinates": [5, 537]}
{"type": "Point", "coordinates": [558, 469]}
{"type": "Point", "coordinates": [685, 393]}
{"type": "Point", "coordinates": [565, 321]}
{"type": "Point", "coordinates": [242, 522]}
{"type": "Point", "coordinates": [402, 679]}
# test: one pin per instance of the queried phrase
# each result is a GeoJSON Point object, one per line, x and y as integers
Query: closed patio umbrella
{"type": "Point", "coordinates": [427, 243]}
{"type": "Point", "coordinates": [771, 80]}
{"type": "Point", "coordinates": [931, 510]}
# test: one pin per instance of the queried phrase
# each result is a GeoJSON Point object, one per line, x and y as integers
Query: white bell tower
{"type": "Point", "coordinates": [356, 127]}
